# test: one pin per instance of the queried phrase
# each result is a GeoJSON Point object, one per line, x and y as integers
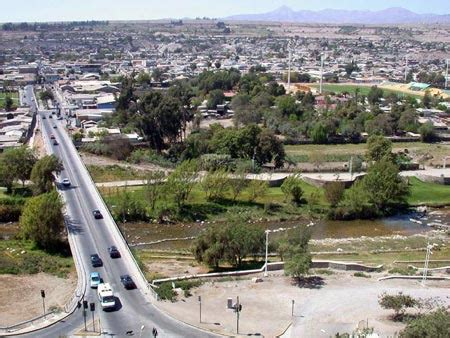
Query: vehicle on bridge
{"type": "Point", "coordinates": [95, 279]}
{"type": "Point", "coordinates": [106, 296]}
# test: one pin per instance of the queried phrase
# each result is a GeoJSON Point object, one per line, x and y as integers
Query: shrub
{"type": "Point", "coordinates": [10, 213]}
{"type": "Point", "coordinates": [361, 274]}
{"type": "Point", "coordinates": [165, 292]}
{"type": "Point", "coordinates": [334, 192]}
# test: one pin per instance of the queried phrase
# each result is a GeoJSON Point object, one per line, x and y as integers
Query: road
{"type": "Point", "coordinates": [89, 236]}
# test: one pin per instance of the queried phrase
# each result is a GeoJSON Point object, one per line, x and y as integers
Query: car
{"type": "Point", "coordinates": [97, 214]}
{"type": "Point", "coordinates": [96, 261]}
{"type": "Point", "coordinates": [50, 116]}
{"type": "Point", "coordinates": [54, 126]}
{"type": "Point", "coordinates": [43, 117]}
{"type": "Point", "coordinates": [59, 118]}
{"type": "Point", "coordinates": [127, 282]}
{"type": "Point", "coordinates": [66, 182]}
{"type": "Point", "coordinates": [52, 137]}
{"type": "Point", "coordinates": [95, 279]}
{"type": "Point", "coordinates": [113, 252]}
{"type": "Point", "coordinates": [55, 143]}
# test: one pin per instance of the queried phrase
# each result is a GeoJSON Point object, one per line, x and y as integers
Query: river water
{"type": "Point", "coordinates": [406, 224]}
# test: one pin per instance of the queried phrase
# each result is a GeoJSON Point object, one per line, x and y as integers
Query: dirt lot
{"type": "Point", "coordinates": [20, 296]}
{"type": "Point", "coordinates": [331, 304]}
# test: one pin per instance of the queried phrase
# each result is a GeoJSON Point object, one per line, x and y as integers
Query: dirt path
{"type": "Point", "coordinates": [20, 296]}
{"type": "Point", "coordinates": [90, 159]}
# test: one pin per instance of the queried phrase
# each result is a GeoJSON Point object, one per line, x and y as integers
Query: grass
{"type": "Point", "coordinates": [361, 274]}
{"type": "Point", "coordinates": [432, 194]}
{"type": "Point", "coordinates": [21, 257]}
{"type": "Point", "coordinates": [112, 173]}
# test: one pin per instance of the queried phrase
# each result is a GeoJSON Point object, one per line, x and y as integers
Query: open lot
{"type": "Point", "coordinates": [329, 304]}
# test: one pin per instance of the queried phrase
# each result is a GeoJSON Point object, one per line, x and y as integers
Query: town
{"type": "Point", "coordinates": [287, 179]}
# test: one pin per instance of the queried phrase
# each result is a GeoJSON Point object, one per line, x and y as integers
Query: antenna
{"type": "Point", "coordinates": [406, 67]}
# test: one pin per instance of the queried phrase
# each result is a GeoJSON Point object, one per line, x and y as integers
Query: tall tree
{"type": "Point", "coordinates": [42, 220]}
{"type": "Point", "coordinates": [181, 181]}
{"type": "Point", "coordinates": [378, 147]}
{"type": "Point", "coordinates": [43, 173]}
{"type": "Point", "coordinates": [296, 251]}
{"type": "Point", "coordinates": [19, 162]}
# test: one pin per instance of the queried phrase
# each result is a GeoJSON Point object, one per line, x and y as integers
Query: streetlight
{"type": "Point", "coordinates": [406, 67]}
{"type": "Point", "coordinates": [290, 46]}
{"type": "Point", "coordinates": [200, 304]}
{"type": "Point", "coordinates": [446, 74]}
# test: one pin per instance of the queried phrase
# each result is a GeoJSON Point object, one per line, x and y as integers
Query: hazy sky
{"type": "Point", "coordinates": [59, 10]}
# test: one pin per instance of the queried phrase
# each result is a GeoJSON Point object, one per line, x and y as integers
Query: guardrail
{"type": "Point", "coordinates": [21, 325]}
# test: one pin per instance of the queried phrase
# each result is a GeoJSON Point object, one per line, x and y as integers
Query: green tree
{"type": "Point", "coordinates": [42, 220]}
{"type": "Point", "coordinates": [154, 188]}
{"type": "Point", "coordinates": [432, 325]}
{"type": "Point", "coordinates": [292, 189]}
{"type": "Point", "coordinates": [128, 208]}
{"type": "Point", "coordinates": [334, 192]}
{"type": "Point", "coordinates": [378, 147]}
{"type": "Point", "coordinates": [385, 187]}
{"type": "Point", "coordinates": [319, 134]}
{"type": "Point", "coordinates": [232, 242]}
{"type": "Point", "coordinates": [215, 98]}
{"type": "Point", "coordinates": [182, 180]}
{"type": "Point", "coordinates": [375, 95]}
{"type": "Point", "coordinates": [399, 303]}
{"type": "Point", "coordinates": [427, 133]}
{"type": "Point", "coordinates": [19, 162]}
{"type": "Point", "coordinates": [6, 176]}
{"type": "Point", "coordinates": [215, 184]}
{"type": "Point", "coordinates": [297, 258]}
{"type": "Point", "coordinates": [238, 183]}
{"type": "Point", "coordinates": [257, 189]}
{"type": "Point", "coordinates": [43, 173]}
{"type": "Point", "coordinates": [9, 103]}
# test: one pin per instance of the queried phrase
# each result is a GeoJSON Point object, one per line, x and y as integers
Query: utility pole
{"type": "Point", "coordinates": [200, 305]}
{"type": "Point", "coordinates": [267, 252]}
{"type": "Point", "coordinates": [406, 67]}
{"type": "Point", "coordinates": [238, 309]}
{"type": "Point", "coordinates": [289, 65]}
{"type": "Point", "coordinates": [292, 312]}
{"type": "Point", "coordinates": [321, 72]}
{"type": "Point", "coordinates": [351, 168]}
{"type": "Point", "coordinates": [43, 300]}
{"type": "Point", "coordinates": [446, 75]}
{"type": "Point", "coordinates": [425, 268]}
{"type": "Point", "coordinates": [92, 307]}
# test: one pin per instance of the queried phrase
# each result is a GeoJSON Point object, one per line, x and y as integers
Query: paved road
{"type": "Point", "coordinates": [95, 236]}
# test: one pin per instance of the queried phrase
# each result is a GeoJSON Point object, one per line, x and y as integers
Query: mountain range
{"type": "Point", "coordinates": [394, 15]}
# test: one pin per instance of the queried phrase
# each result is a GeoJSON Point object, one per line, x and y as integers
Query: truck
{"type": "Point", "coordinates": [106, 296]}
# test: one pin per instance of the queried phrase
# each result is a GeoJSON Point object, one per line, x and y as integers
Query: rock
{"type": "Point", "coordinates": [256, 280]}
{"type": "Point", "coordinates": [339, 250]}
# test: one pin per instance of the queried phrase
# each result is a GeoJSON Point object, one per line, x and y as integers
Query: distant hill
{"type": "Point", "coordinates": [394, 15]}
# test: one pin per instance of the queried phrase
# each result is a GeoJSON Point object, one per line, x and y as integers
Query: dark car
{"type": "Point", "coordinates": [43, 117]}
{"type": "Point", "coordinates": [96, 261]}
{"type": "Point", "coordinates": [114, 252]}
{"type": "Point", "coordinates": [127, 282]}
{"type": "Point", "coordinates": [97, 214]}
{"type": "Point", "coordinates": [50, 117]}
{"type": "Point", "coordinates": [55, 143]}
{"type": "Point", "coordinates": [54, 126]}
{"type": "Point", "coordinates": [52, 137]}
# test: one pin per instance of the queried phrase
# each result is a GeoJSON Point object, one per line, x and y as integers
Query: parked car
{"type": "Point", "coordinates": [97, 214]}
{"type": "Point", "coordinates": [113, 252]}
{"type": "Point", "coordinates": [127, 282]}
{"type": "Point", "coordinates": [66, 182]}
{"type": "Point", "coordinates": [95, 279]}
{"type": "Point", "coordinates": [96, 261]}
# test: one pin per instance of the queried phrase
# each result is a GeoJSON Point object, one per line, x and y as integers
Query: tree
{"type": "Point", "coordinates": [292, 189]}
{"type": "Point", "coordinates": [6, 176]}
{"type": "Point", "coordinates": [426, 101]}
{"type": "Point", "coordinates": [46, 95]}
{"type": "Point", "coordinates": [154, 187]}
{"type": "Point", "coordinates": [374, 95]}
{"type": "Point", "coordinates": [19, 162]}
{"type": "Point", "coordinates": [334, 192]}
{"type": "Point", "coordinates": [433, 325]}
{"type": "Point", "coordinates": [128, 208]}
{"type": "Point", "coordinates": [297, 257]}
{"type": "Point", "coordinates": [427, 133]}
{"type": "Point", "coordinates": [257, 189]}
{"type": "Point", "coordinates": [378, 147]}
{"type": "Point", "coordinates": [385, 187]}
{"type": "Point", "coordinates": [399, 303]}
{"type": "Point", "coordinates": [43, 172]}
{"type": "Point", "coordinates": [232, 242]}
{"type": "Point", "coordinates": [215, 184]}
{"type": "Point", "coordinates": [9, 103]}
{"type": "Point", "coordinates": [215, 98]}
{"type": "Point", "coordinates": [182, 180]}
{"type": "Point", "coordinates": [238, 183]}
{"type": "Point", "coordinates": [287, 106]}
{"type": "Point", "coordinates": [42, 220]}
{"type": "Point", "coordinates": [319, 134]}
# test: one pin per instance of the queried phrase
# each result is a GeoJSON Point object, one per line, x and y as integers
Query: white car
{"type": "Point", "coordinates": [95, 279]}
{"type": "Point", "coordinates": [66, 182]}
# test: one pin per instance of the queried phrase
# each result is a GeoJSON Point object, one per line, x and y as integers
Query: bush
{"type": "Point", "coordinates": [361, 274]}
{"type": "Point", "coordinates": [409, 271]}
{"type": "Point", "coordinates": [10, 213]}
{"type": "Point", "coordinates": [334, 192]}
{"type": "Point", "coordinates": [165, 292]}
{"type": "Point", "coordinates": [149, 156]}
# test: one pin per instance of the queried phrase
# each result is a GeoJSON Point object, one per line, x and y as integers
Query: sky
{"type": "Point", "coordinates": [67, 10]}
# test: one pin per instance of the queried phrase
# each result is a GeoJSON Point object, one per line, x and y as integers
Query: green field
{"type": "Point", "coordinates": [13, 95]}
{"type": "Point", "coordinates": [112, 173]}
{"type": "Point", "coordinates": [363, 89]}
{"type": "Point", "coordinates": [423, 193]}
